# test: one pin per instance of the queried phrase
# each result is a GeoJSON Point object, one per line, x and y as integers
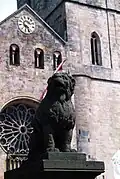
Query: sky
{"type": "Point", "coordinates": [7, 7]}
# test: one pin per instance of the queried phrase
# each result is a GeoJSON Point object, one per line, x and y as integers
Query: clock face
{"type": "Point", "coordinates": [26, 24]}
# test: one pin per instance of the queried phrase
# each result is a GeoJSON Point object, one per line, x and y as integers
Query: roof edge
{"type": "Point", "coordinates": [26, 7]}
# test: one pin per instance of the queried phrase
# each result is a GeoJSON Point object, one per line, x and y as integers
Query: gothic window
{"type": "Point", "coordinates": [96, 49]}
{"type": "Point", "coordinates": [39, 58]}
{"type": "Point", "coordinates": [57, 59]}
{"type": "Point", "coordinates": [14, 55]}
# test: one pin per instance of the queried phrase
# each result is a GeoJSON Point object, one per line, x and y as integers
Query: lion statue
{"type": "Point", "coordinates": [55, 117]}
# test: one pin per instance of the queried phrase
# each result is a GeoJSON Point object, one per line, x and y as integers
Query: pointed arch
{"type": "Point", "coordinates": [14, 55]}
{"type": "Point", "coordinates": [57, 59]}
{"type": "Point", "coordinates": [96, 49]}
{"type": "Point", "coordinates": [39, 58]}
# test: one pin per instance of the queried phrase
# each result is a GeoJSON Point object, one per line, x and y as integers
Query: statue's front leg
{"type": "Point", "coordinates": [65, 138]}
{"type": "Point", "coordinates": [49, 143]}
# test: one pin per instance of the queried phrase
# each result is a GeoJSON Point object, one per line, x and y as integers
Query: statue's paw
{"type": "Point", "coordinates": [56, 150]}
{"type": "Point", "coordinates": [52, 149]}
{"type": "Point", "coordinates": [73, 150]}
{"type": "Point", "coordinates": [66, 150]}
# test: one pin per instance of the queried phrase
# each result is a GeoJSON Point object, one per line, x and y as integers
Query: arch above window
{"type": "Point", "coordinates": [57, 59]}
{"type": "Point", "coordinates": [96, 49]}
{"type": "Point", "coordinates": [39, 58]}
{"type": "Point", "coordinates": [14, 55]}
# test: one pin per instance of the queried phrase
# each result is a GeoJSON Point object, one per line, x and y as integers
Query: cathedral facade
{"type": "Point", "coordinates": [34, 40]}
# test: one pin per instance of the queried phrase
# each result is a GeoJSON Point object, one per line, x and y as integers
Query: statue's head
{"type": "Point", "coordinates": [61, 83]}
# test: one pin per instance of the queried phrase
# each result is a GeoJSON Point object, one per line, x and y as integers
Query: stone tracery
{"type": "Point", "coordinates": [15, 128]}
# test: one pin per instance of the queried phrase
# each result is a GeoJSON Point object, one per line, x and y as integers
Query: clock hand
{"type": "Point", "coordinates": [26, 24]}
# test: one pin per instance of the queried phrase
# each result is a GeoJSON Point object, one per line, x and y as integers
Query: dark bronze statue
{"type": "Point", "coordinates": [55, 117]}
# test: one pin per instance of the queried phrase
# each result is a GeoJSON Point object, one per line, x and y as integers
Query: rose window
{"type": "Point", "coordinates": [15, 128]}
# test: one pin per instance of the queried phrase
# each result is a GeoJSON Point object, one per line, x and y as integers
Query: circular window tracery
{"type": "Point", "coordinates": [15, 128]}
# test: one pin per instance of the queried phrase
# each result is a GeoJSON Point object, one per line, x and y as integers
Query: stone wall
{"type": "Point", "coordinates": [97, 104]}
{"type": "Point", "coordinates": [113, 4]}
{"type": "Point", "coordinates": [81, 22]}
{"type": "Point", "coordinates": [98, 3]}
{"type": "Point", "coordinates": [114, 23]}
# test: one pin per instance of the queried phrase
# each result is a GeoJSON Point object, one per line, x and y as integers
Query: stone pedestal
{"type": "Point", "coordinates": [58, 166]}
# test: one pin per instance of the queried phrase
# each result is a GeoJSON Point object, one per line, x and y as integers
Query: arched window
{"type": "Point", "coordinates": [39, 58]}
{"type": "Point", "coordinates": [57, 59]}
{"type": "Point", "coordinates": [96, 49]}
{"type": "Point", "coordinates": [14, 55]}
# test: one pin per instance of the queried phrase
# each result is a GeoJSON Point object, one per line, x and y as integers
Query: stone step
{"type": "Point", "coordinates": [65, 156]}
{"type": "Point", "coordinates": [73, 165]}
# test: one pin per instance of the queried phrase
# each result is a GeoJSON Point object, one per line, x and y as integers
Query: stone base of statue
{"type": "Point", "coordinates": [58, 165]}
